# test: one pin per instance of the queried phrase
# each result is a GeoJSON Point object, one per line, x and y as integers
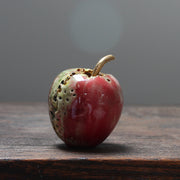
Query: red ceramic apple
{"type": "Point", "coordinates": [85, 105]}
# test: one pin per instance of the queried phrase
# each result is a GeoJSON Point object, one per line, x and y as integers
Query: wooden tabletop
{"type": "Point", "coordinates": [145, 143]}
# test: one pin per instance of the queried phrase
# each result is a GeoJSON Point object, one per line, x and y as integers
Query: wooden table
{"type": "Point", "coordinates": [145, 144]}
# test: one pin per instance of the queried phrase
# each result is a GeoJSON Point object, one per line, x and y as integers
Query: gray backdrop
{"type": "Point", "coordinates": [40, 38]}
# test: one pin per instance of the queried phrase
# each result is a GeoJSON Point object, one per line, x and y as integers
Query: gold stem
{"type": "Point", "coordinates": [101, 63]}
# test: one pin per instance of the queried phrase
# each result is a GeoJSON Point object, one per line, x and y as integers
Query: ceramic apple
{"type": "Point", "coordinates": [85, 105]}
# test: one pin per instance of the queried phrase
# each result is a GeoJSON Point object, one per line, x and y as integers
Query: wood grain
{"type": "Point", "coordinates": [145, 144]}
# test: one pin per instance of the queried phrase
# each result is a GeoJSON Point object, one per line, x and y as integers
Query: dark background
{"type": "Point", "coordinates": [40, 38]}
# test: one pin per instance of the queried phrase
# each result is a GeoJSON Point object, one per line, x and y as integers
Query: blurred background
{"type": "Point", "coordinates": [41, 38]}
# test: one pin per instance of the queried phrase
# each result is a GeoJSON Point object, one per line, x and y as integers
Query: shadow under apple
{"type": "Point", "coordinates": [104, 148]}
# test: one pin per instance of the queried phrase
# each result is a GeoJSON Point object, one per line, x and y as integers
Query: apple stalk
{"type": "Point", "coordinates": [101, 63]}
